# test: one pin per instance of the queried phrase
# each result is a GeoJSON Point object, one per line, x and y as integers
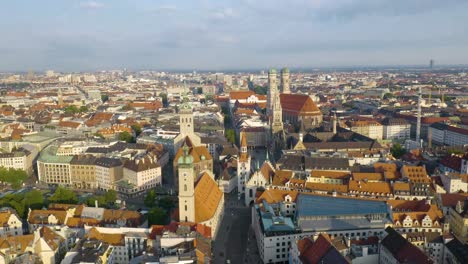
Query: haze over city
{"type": "Point", "coordinates": [80, 35]}
{"type": "Point", "coordinates": [234, 132]}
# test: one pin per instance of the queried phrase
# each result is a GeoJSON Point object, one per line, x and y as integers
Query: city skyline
{"type": "Point", "coordinates": [226, 35]}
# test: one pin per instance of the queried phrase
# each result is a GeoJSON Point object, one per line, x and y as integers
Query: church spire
{"type": "Point", "coordinates": [243, 143]}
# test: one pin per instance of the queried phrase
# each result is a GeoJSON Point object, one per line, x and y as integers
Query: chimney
{"type": "Point", "coordinates": [96, 203]}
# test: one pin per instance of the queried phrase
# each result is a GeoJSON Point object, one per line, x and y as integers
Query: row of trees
{"type": "Point", "coordinates": [73, 109]}
{"type": "Point", "coordinates": [159, 209]}
{"type": "Point", "coordinates": [34, 199]}
{"type": "Point", "coordinates": [15, 177]}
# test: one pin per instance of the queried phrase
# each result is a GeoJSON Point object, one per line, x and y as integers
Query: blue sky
{"type": "Point", "coordinates": [82, 35]}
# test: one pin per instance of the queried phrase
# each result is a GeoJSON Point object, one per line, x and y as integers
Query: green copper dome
{"type": "Point", "coordinates": [186, 158]}
{"type": "Point", "coordinates": [285, 70]}
{"type": "Point", "coordinates": [272, 71]}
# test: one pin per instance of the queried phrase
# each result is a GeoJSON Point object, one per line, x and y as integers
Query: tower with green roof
{"type": "Point", "coordinates": [186, 186]}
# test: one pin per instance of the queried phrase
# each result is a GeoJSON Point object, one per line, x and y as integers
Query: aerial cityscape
{"type": "Point", "coordinates": [222, 132]}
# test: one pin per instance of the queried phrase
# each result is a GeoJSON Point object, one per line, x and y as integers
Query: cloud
{"type": "Point", "coordinates": [223, 14]}
{"type": "Point", "coordinates": [91, 5]}
{"type": "Point", "coordinates": [165, 9]}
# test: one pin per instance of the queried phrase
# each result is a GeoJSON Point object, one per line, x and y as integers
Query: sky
{"type": "Point", "coordinates": [82, 35]}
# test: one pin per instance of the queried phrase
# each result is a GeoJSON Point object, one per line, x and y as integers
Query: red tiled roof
{"type": "Point", "coordinates": [298, 104]}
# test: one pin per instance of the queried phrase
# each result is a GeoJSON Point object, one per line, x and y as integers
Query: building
{"type": "Point", "coordinates": [90, 251]}
{"type": "Point", "coordinates": [281, 217]}
{"type": "Point", "coordinates": [243, 166]}
{"type": "Point", "coordinates": [53, 169]}
{"type": "Point", "coordinates": [108, 172]}
{"type": "Point", "coordinates": [43, 244]}
{"type": "Point", "coordinates": [316, 251]}
{"type": "Point", "coordinates": [10, 223]}
{"type": "Point", "coordinates": [285, 81]}
{"type": "Point", "coordinates": [140, 175]}
{"type": "Point", "coordinates": [127, 243]}
{"type": "Point", "coordinates": [272, 93]}
{"type": "Point", "coordinates": [454, 182]}
{"type": "Point", "coordinates": [369, 128]}
{"type": "Point", "coordinates": [458, 219]}
{"type": "Point", "coordinates": [202, 159]}
{"type": "Point", "coordinates": [418, 178]}
{"type": "Point", "coordinates": [200, 201]}
{"type": "Point", "coordinates": [455, 252]}
{"type": "Point", "coordinates": [444, 134]}
{"type": "Point", "coordinates": [83, 172]}
{"type": "Point", "coordinates": [20, 159]}
{"type": "Point", "coordinates": [186, 126]}
{"type": "Point", "coordinates": [396, 128]}
{"type": "Point", "coordinates": [300, 109]}
{"type": "Point", "coordinates": [396, 249]}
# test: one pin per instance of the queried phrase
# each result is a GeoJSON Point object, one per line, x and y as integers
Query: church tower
{"type": "Point", "coordinates": [186, 187]}
{"type": "Point", "coordinates": [272, 91]}
{"type": "Point", "coordinates": [60, 97]}
{"type": "Point", "coordinates": [277, 118]}
{"type": "Point", "coordinates": [243, 165]}
{"type": "Point", "coordinates": [285, 81]}
{"type": "Point", "coordinates": [186, 125]}
{"type": "Point", "coordinates": [186, 118]}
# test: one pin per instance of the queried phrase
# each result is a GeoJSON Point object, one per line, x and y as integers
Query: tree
{"type": "Point", "coordinates": [110, 197]}
{"type": "Point", "coordinates": [104, 98]}
{"type": "Point", "coordinates": [157, 216]}
{"type": "Point", "coordinates": [166, 203]}
{"type": "Point", "coordinates": [227, 120]}
{"type": "Point", "coordinates": [62, 195]}
{"type": "Point", "coordinates": [260, 89]}
{"type": "Point", "coordinates": [397, 151]}
{"type": "Point", "coordinates": [164, 99]}
{"type": "Point", "coordinates": [199, 90]}
{"type": "Point", "coordinates": [231, 135]}
{"type": "Point", "coordinates": [388, 96]}
{"type": "Point", "coordinates": [15, 177]}
{"type": "Point", "coordinates": [150, 198]}
{"type": "Point", "coordinates": [33, 199]}
{"type": "Point", "coordinates": [125, 136]}
{"type": "Point", "coordinates": [137, 129]}
{"type": "Point", "coordinates": [83, 109]}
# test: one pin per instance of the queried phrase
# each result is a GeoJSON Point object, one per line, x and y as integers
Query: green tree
{"type": "Point", "coordinates": [164, 99]}
{"type": "Point", "coordinates": [104, 98]}
{"type": "Point", "coordinates": [62, 195]}
{"type": "Point", "coordinates": [125, 136]}
{"type": "Point", "coordinates": [15, 177]}
{"type": "Point", "coordinates": [71, 109]}
{"type": "Point", "coordinates": [397, 151]}
{"type": "Point", "coordinates": [167, 203]}
{"type": "Point", "coordinates": [157, 216]}
{"type": "Point", "coordinates": [110, 197]}
{"type": "Point", "coordinates": [83, 109]}
{"type": "Point", "coordinates": [150, 198]}
{"type": "Point", "coordinates": [388, 96]}
{"type": "Point", "coordinates": [231, 135]}
{"type": "Point", "coordinates": [137, 129]}
{"type": "Point", "coordinates": [33, 199]}
{"type": "Point", "coordinates": [199, 90]}
{"type": "Point", "coordinates": [227, 121]}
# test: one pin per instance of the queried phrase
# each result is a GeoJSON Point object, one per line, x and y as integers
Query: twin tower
{"type": "Point", "coordinates": [274, 109]}
{"type": "Point", "coordinates": [285, 81]}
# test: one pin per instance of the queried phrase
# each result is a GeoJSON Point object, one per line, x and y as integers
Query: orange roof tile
{"type": "Point", "coordinates": [207, 198]}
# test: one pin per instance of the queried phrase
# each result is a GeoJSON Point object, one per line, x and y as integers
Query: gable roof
{"type": "Point", "coordinates": [207, 198]}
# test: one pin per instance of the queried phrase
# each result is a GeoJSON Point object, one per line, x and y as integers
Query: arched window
{"type": "Point", "coordinates": [185, 187]}
{"type": "Point", "coordinates": [185, 207]}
